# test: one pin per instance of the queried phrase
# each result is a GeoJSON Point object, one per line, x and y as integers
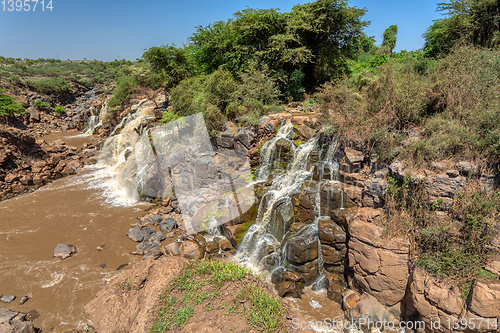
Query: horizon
{"type": "Point", "coordinates": [101, 35]}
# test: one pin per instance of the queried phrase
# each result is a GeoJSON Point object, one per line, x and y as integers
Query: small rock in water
{"type": "Point", "coordinates": [23, 300]}
{"type": "Point", "coordinates": [171, 234]}
{"type": "Point", "coordinates": [8, 298]}
{"type": "Point", "coordinates": [32, 315]}
{"type": "Point", "coordinates": [64, 251]}
{"type": "Point", "coordinates": [103, 265]}
{"type": "Point", "coordinates": [100, 247]}
{"type": "Point", "coordinates": [121, 266]}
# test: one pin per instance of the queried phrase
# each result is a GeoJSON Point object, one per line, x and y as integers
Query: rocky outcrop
{"type": "Point", "coordinates": [380, 267]}
{"type": "Point", "coordinates": [15, 322]}
{"type": "Point", "coordinates": [129, 302]}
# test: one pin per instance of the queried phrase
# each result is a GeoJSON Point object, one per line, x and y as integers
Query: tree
{"type": "Point", "coordinates": [170, 62]}
{"type": "Point", "coordinates": [472, 21]}
{"type": "Point", "coordinates": [390, 39]}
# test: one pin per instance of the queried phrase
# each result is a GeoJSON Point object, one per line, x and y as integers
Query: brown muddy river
{"type": "Point", "coordinates": [79, 210]}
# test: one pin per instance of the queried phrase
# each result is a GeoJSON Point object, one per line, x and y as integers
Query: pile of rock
{"type": "Point", "coordinates": [26, 163]}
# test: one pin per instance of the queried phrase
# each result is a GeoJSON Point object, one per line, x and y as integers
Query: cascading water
{"type": "Point", "coordinates": [268, 149]}
{"type": "Point", "coordinates": [117, 158]}
{"type": "Point", "coordinates": [258, 236]}
{"type": "Point", "coordinates": [94, 120]}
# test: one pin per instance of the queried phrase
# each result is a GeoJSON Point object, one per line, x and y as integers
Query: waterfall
{"type": "Point", "coordinates": [268, 149]}
{"type": "Point", "coordinates": [283, 187]}
{"type": "Point", "coordinates": [117, 158]}
{"type": "Point", "coordinates": [94, 121]}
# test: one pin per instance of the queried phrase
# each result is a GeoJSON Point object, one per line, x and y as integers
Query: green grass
{"type": "Point", "coordinates": [202, 281]}
{"type": "Point", "coordinates": [266, 311]}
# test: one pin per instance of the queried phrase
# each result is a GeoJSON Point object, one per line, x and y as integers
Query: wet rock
{"type": "Point", "coordinates": [330, 233]}
{"type": "Point", "coordinates": [332, 256]}
{"type": "Point", "coordinates": [158, 236]}
{"type": "Point", "coordinates": [32, 315]}
{"type": "Point", "coordinates": [302, 248]}
{"type": "Point", "coordinates": [289, 288]}
{"type": "Point", "coordinates": [191, 250]}
{"type": "Point", "coordinates": [23, 300]}
{"type": "Point", "coordinates": [335, 286]}
{"type": "Point", "coordinates": [291, 276]}
{"type": "Point", "coordinates": [168, 225]}
{"type": "Point", "coordinates": [172, 249]}
{"type": "Point", "coordinates": [121, 266]}
{"type": "Point", "coordinates": [7, 298]}
{"type": "Point", "coordinates": [212, 247]}
{"type": "Point", "coordinates": [225, 245]}
{"type": "Point", "coordinates": [64, 251]}
{"type": "Point", "coordinates": [138, 234]}
{"type": "Point", "coordinates": [309, 271]}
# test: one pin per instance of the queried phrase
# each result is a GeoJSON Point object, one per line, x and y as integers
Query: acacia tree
{"type": "Point", "coordinates": [474, 21]}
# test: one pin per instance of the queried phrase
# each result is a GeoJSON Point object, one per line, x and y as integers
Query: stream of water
{"type": "Point", "coordinates": [73, 210]}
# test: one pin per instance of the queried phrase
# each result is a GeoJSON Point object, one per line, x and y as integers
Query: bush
{"type": "Point", "coordinates": [125, 86]}
{"type": "Point", "coordinates": [8, 106]}
{"type": "Point", "coordinates": [452, 103]}
{"type": "Point", "coordinates": [59, 110]}
{"type": "Point", "coordinates": [48, 86]}
{"type": "Point", "coordinates": [41, 105]}
{"type": "Point", "coordinates": [458, 245]}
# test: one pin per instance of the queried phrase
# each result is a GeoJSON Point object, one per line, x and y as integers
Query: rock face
{"type": "Point", "coordinates": [64, 251]}
{"type": "Point", "coordinates": [380, 268]}
{"type": "Point", "coordinates": [128, 303]}
{"type": "Point", "coordinates": [15, 322]}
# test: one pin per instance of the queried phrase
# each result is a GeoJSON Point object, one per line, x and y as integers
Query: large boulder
{"type": "Point", "coordinates": [435, 300]}
{"type": "Point", "coordinates": [140, 234]}
{"type": "Point", "coordinates": [380, 266]}
{"type": "Point", "coordinates": [191, 249]}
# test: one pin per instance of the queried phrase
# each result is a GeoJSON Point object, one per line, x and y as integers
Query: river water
{"type": "Point", "coordinates": [81, 210]}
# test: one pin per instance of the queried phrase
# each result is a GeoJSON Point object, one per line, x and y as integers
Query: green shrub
{"type": "Point", "coordinates": [41, 105]}
{"type": "Point", "coordinates": [59, 110]}
{"type": "Point", "coordinates": [8, 105]}
{"type": "Point", "coordinates": [125, 86]}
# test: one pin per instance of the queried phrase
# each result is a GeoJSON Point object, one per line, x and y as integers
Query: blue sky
{"type": "Point", "coordinates": [113, 29]}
